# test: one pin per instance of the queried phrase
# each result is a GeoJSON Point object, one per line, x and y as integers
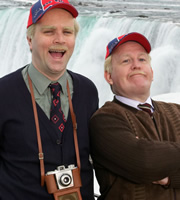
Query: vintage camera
{"type": "Point", "coordinates": [64, 183]}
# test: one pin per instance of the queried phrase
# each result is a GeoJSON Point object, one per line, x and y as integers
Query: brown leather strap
{"type": "Point", "coordinates": [73, 117]}
{"type": "Point", "coordinates": [41, 155]}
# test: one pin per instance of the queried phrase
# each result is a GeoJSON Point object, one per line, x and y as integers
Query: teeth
{"type": "Point", "coordinates": [57, 51]}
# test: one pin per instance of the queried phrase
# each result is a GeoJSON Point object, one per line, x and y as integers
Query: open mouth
{"type": "Point", "coordinates": [57, 53]}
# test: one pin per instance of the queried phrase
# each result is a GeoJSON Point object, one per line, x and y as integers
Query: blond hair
{"type": "Point", "coordinates": [108, 64]}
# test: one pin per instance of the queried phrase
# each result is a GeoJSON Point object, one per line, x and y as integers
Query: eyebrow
{"type": "Point", "coordinates": [53, 27]}
{"type": "Point", "coordinates": [144, 53]}
{"type": "Point", "coordinates": [48, 27]}
{"type": "Point", "coordinates": [69, 28]}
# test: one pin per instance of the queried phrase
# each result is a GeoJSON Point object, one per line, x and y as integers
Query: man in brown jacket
{"type": "Point", "coordinates": [136, 154]}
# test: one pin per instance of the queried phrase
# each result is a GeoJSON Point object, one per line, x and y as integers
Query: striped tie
{"type": "Point", "coordinates": [147, 108]}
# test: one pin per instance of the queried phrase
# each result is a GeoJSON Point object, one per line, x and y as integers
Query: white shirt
{"type": "Point", "coordinates": [134, 103]}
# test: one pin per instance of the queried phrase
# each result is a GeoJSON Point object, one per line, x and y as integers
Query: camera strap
{"type": "Point", "coordinates": [73, 117]}
{"type": "Point", "coordinates": [41, 155]}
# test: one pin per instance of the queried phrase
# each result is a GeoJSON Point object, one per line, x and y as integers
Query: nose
{"type": "Point", "coordinates": [136, 64]}
{"type": "Point", "coordinates": [59, 38]}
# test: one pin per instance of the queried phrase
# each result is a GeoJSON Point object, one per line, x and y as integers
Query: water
{"type": "Point", "coordinates": [97, 29]}
{"type": "Point", "coordinates": [101, 21]}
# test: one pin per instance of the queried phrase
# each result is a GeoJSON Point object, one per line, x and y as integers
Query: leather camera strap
{"type": "Point", "coordinates": [41, 155]}
{"type": "Point", "coordinates": [73, 117]}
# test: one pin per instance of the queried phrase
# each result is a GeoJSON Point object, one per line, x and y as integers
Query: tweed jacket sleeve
{"type": "Point", "coordinates": [125, 141]}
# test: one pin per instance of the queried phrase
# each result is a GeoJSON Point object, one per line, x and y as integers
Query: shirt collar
{"type": "Point", "coordinates": [63, 82]}
{"type": "Point", "coordinates": [133, 103]}
{"type": "Point", "coordinates": [41, 82]}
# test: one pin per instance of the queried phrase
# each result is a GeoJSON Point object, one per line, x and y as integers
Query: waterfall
{"type": "Point", "coordinates": [88, 57]}
{"type": "Point", "coordinates": [14, 51]}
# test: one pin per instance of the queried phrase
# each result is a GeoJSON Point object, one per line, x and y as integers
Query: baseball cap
{"type": "Point", "coordinates": [134, 36]}
{"type": "Point", "coordinates": [42, 6]}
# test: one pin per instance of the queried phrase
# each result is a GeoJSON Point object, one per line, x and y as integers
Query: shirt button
{"type": "Point", "coordinates": [58, 141]}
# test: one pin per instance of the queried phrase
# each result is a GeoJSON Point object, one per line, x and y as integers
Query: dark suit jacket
{"type": "Point", "coordinates": [19, 163]}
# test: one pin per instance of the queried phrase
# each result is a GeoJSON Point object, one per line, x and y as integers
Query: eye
{"type": "Point", "coordinates": [125, 61]}
{"type": "Point", "coordinates": [142, 59]}
{"type": "Point", "coordinates": [48, 31]}
{"type": "Point", "coordinates": [68, 31]}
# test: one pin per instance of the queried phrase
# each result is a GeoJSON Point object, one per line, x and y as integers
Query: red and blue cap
{"type": "Point", "coordinates": [136, 37]}
{"type": "Point", "coordinates": [42, 6]}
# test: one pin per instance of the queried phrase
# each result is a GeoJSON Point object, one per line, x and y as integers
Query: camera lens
{"type": "Point", "coordinates": [65, 180]}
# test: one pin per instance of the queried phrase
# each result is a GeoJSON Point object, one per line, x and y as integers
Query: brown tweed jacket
{"type": "Point", "coordinates": [130, 151]}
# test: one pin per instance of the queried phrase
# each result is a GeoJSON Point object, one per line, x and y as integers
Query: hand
{"type": "Point", "coordinates": [164, 181]}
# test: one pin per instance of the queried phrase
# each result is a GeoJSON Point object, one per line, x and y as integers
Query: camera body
{"type": "Point", "coordinates": [64, 183]}
{"type": "Point", "coordinates": [63, 176]}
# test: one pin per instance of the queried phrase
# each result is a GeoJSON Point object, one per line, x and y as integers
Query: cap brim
{"type": "Point", "coordinates": [136, 37]}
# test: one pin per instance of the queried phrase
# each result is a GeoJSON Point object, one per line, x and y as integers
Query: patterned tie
{"type": "Point", "coordinates": [147, 108]}
{"type": "Point", "coordinates": [56, 114]}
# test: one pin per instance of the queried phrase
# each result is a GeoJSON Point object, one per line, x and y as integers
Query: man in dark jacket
{"type": "Point", "coordinates": [51, 33]}
{"type": "Point", "coordinates": [134, 139]}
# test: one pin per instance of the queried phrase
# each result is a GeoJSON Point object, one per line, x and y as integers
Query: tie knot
{"type": "Point", "coordinates": [55, 89]}
{"type": "Point", "coordinates": [146, 107]}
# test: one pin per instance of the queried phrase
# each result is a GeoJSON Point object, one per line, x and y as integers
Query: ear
{"type": "Point", "coordinates": [152, 74]}
{"type": "Point", "coordinates": [29, 42]}
{"type": "Point", "coordinates": [108, 78]}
